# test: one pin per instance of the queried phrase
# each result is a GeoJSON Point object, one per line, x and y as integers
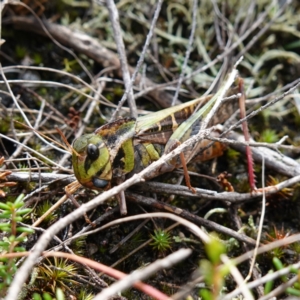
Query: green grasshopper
{"type": "Point", "coordinates": [126, 146]}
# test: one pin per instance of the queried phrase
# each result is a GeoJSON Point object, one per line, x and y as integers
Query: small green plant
{"type": "Point", "coordinates": [56, 273]}
{"type": "Point", "coordinates": [59, 296]}
{"type": "Point", "coordinates": [211, 269]}
{"type": "Point", "coordinates": [294, 290]}
{"type": "Point", "coordinates": [161, 240]}
{"type": "Point", "coordinates": [20, 51]}
{"type": "Point", "coordinates": [43, 208]}
{"type": "Point", "coordinates": [11, 213]}
{"type": "Point", "coordinates": [84, 295]}
{"type": "Point", "coordinates": [269, 136]}
{"type": "Point", "coordinates": [79, 245]}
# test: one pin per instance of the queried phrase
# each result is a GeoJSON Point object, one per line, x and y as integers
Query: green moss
{"type": "Point", "coordinates": [161, 240]}
{"type": "Point", "coordinates": [42, 209]}
{"type": "Point", "coordinates": [20, 51]}
{"type": "Point", "coordinates": [268, 136]}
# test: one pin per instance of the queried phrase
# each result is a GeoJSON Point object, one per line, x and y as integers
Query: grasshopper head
{"type": "Point", "coordinates": [91, 162]}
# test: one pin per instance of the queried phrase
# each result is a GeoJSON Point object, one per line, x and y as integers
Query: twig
{"type": "Point", "coordinates": [189, 216]}
{"type": "Point", "coordinates": [264, 279]}
{"type": "Point", "coordinates": [232, 197]}
{"type": "Point", "coordinates": [141, 58]}
{"type": "Point", "coordinates": [188, 51]}
{"type": "Point", "coordinates": [23, 114]}
{"type": "Point", "coordinates": [151, 291]}
{"type": "Point", "coordinates": [128, 236]}
{"type": "Point", "coordinates": [87, 229]}
{"type": "Point", "coordinates": [236, 141]}
{"type": "Point", "coordinates": [123, 258]}
{"type": "Point", "coordinates": [114, 19]}
{"type": "Point", "coordinates": [281, 289]}
{"type": "Point", "coordinates": [144, 273]}
{"type": "Point", "coordinates": [35, 127]}
{"type": "Point", "coordinates": [278, 162]}
{"type": "Point", "coordinates": [236, 218]}
{"type": "Point", "coordinates": [36, 153]}
{"type": "Point", "coordinates": [237, 276]}
{"type": "Point", "coordinates": [44, 177]}
{"type": "Point", "coordinates": [268, 247]}
{"type": "Point", "coordinates": [256, 112]}
{"type": "Point", "coordinates": [47, 69]}
{"type": "Point", "coordinates": [270, 95]}
{"type": "Point", "coordinates": [261, 222]}
{"type": "Point", "coordinates": [191, 226]}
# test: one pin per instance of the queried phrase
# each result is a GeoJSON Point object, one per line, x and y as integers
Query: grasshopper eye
{"type": "Point", "coordinates": [99, 183]}
{"type": "Point", "coordinates": [92, 151]}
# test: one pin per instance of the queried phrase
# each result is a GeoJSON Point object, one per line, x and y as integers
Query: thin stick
{"type": "Point", "coordinates": [141, 58]}
{"type": "Point", "coordinates": [261, 222]}
{"type": "Point", "coordinates": [35, 152]}
{"type": "Point", "coordinates": [114, 18]}
{"type": "Point", "coordinates": [188, 51]}
{"type": "Point", "coordinates": [237, 276]}
{"type": "Point", "coordinates": [23, 114]}
{"type": "Point", "coordinates": [143, 273]}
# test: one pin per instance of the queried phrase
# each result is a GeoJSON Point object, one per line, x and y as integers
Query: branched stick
{"type": "Point", "coordinates": [141, 58]}
{"type": "Point", "coordinates": [114, 18]}
{"type": "Point", "coordinates": [188, 51]}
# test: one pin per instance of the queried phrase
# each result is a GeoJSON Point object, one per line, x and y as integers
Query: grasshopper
{"type": "Point", "coordinates": [118, 149]}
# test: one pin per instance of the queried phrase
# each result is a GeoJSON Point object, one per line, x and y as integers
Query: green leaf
{"type": "Point", "coordinates": [5, 227]}
{"type": "Point", "coordinates": [11, 238]}
{"type": "Point", "coordinates": [4, 244]}
{"type": "Point", "coordinates": [293, 292]}
{"type": "Point", "coordinates": [5, 215]}
{"type": "Point", "coordinates": [46, 296]}
{"type": "Point", "coordinates": [19, 249]}
{"type": "Point", "coordinates": [20, 239]}
{"type": "Point", "coordinates": [36, 296]}
{"type": "Point", "coordinates": [279, 266]}
{"type": "Point", "coordinates": [269, 285]}
{"type": "Point", "coordinates": [19, 199]}
{"type": "Point", "coordinates": [205, 294]}
{"type": "Point", "coordinates": [24, 211]}
{"type": "Point", "coordinates": [18, 219]}
{"type": "Point", "coordinates": [214, 249]}
{"type": "Point", "coordinates": [4, 206]}
{"type": "Point", "coordinates": [25, 229]}
{"type": "Point", "coordinates": [206, 269]}
{"type": "Point", "coordinates": [59, 294]}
